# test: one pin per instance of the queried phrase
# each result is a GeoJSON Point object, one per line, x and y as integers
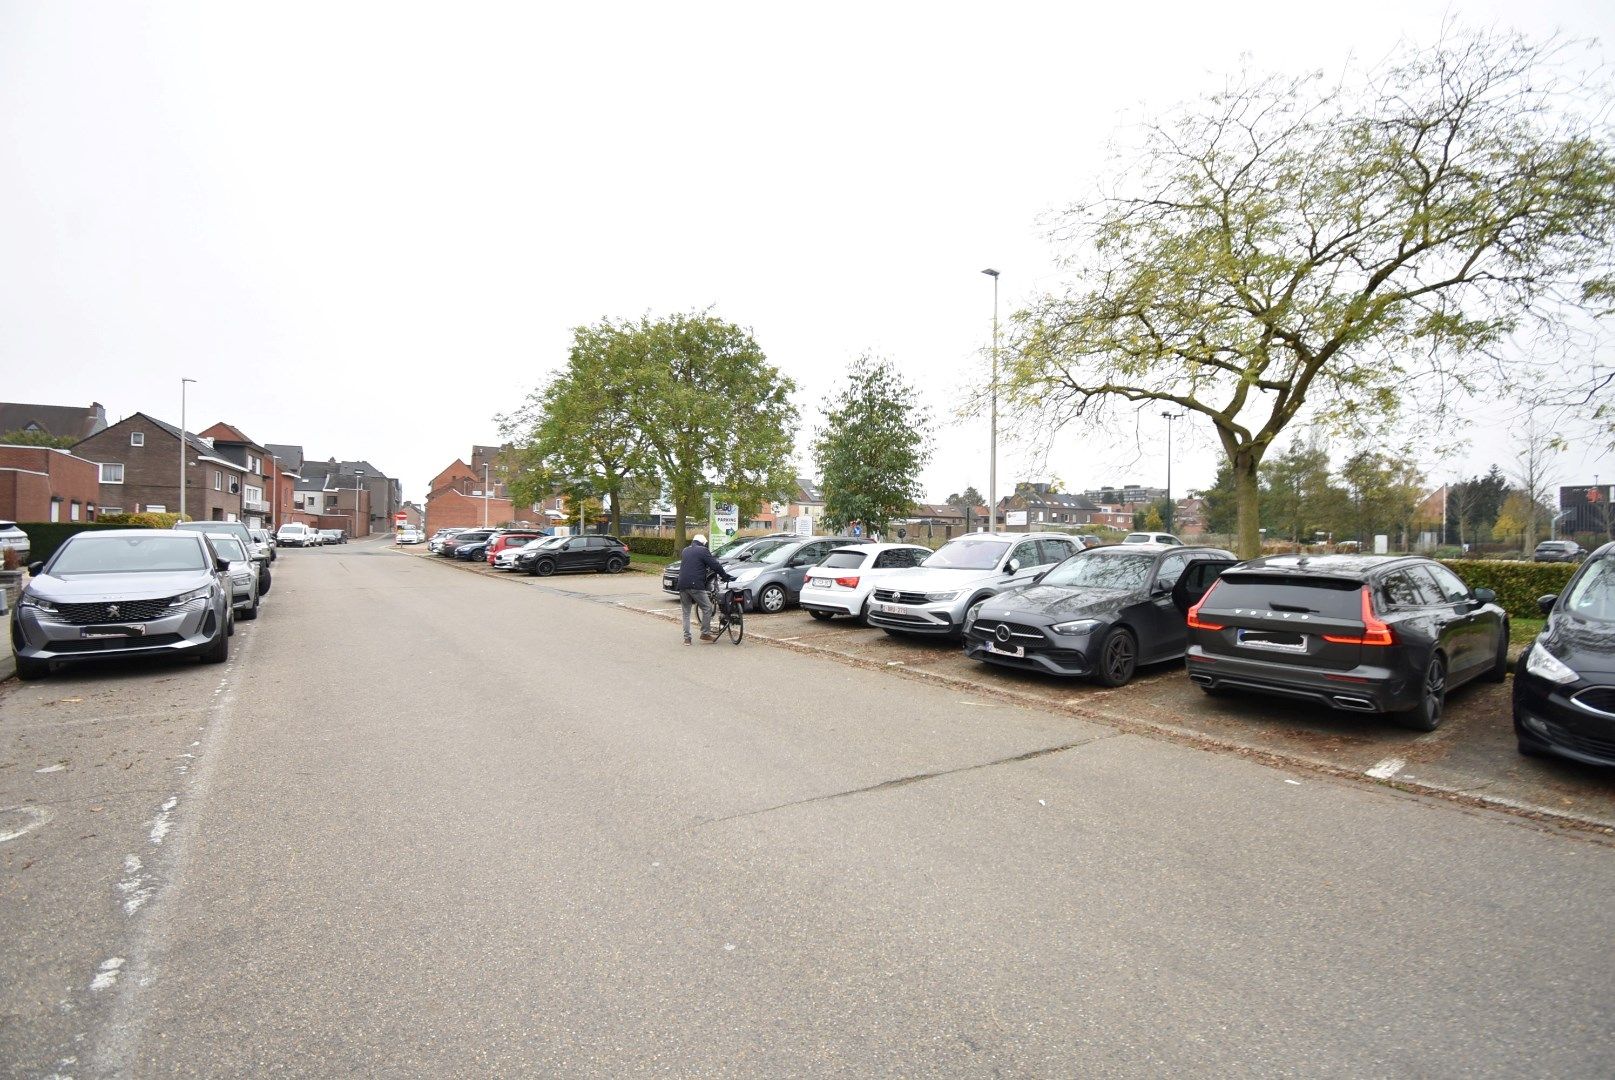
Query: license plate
{"type": "Point", "coordinates": [889, 609]}
{"type": "Point", "coordinates": [1273, 640]}
{"type": "Point", "coordinates": [1006, 650]}
{"type": "Point", "coordinates": [112, 631]}
{"type": "Point", "coordinates": [819, 582]}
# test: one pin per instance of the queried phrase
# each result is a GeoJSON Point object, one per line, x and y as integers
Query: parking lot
{"type": "Point", "coordinates": [1470, 758]}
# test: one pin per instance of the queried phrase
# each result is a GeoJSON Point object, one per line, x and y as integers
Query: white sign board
{"type": "Point", "coordinates": [1014, 517]}
{"type": "Point", "coordinates": [804, 525]}
{"type": "Point", "coordinates": [1382, 544]}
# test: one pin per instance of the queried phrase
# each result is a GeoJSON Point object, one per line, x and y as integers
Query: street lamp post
{"type": "Point", "coordinates": [182, 383]}
{"type": "Point", "coordinates": [358, 478]}
{"type": "Point", "coordinates": [484, 494]}
{"type": "Point", "coordinates": [992, 431]}
{"type": "Point", "coordinates": [1170, 416]}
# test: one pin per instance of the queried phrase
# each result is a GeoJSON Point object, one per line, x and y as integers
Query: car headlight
{"type": "Point", "coordinates": [941, 597]}
{"type": "Point", "coordinates": [1078, 626]}
{"type": "Point", "coordinates": [746, 577]}
{"type": "Point", "coordinates": [38, 603]}
{"type": "Point", "coordinates": [190, 597]}
{"type": "Point", "coordinates": [1544, 665]}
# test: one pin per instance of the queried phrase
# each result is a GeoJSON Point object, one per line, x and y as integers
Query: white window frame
{"type": "Point", "coordinates": [73, 510]}
{"type": "Point", "coordinates": [105, 465]}
{"type": "Point", "coordinates": [218, 479]}
{"type": "Point", "coordinates": [56, 508]}
{"type": "Point", "coordinates": [137, 438]}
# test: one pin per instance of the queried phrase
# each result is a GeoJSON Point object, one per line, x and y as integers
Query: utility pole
{"type": "Point", "coordinates": [182, 383]}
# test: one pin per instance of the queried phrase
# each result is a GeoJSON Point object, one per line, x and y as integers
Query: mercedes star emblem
{"type": "Point", "coordinates": [1002, 633]}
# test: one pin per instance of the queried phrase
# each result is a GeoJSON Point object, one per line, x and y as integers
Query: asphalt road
{"type": "Point", "coordinates": [429, 823]}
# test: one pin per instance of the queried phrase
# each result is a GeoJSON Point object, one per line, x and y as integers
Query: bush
{"type": "Point", "coordinates": [1516, 584]}
{"type": "Point", "coordinates": [44, 537]}
{"type": "Point", "coordinates": [651, 545]}
{"type": "Point", "coordinates": [141, 521]}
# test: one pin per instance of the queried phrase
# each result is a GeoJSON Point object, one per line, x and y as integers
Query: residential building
{"type": "Point", "coordinates": [458, 499]}
{"type": "Point", "coordinates": [140, 460]}
{"type": "Point", "coordinates": [61, 421]}
{"type": "Point", "coordinates": [940, 521]}
{"type": "Point", "coordinates": [386, 495]}
{"type": "Point", "coordinates": [1126, 495]}
{"type": "Point", "coordinates": [805, 509]}
{"type": "Point", "coordinates": [40, 483]}
{"type": "Point", "coordinates": [1038, 507]}
{"type": "Point", "coordinates": [258, 473]}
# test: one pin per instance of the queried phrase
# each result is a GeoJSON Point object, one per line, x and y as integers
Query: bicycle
{"type": "Point", "coordinates": [730, 606]}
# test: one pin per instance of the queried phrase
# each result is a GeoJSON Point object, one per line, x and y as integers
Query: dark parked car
{"type": "Point", "coordinates": [1564, 683]}
{"type": "Point", "coordinates": [1098, 614]}
{"type": "Point", "coordinates": [605, 554]}
{"type": "Point", "coordinates": [124, 592]}
{"type": "Point", "coordinates": [1559, 551]}
{"type": "Point", "coordinates": [469, 536]}
{"type": "Point", "coordinates": [1361, 633]}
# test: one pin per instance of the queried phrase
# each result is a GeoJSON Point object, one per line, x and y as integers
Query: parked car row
{"type": "Point", "coordinates": [1385, 635]}
{"type": "Point", "coordinates": [296, 534]}
{"type": "Point", "coordinates": [141, 592]}
{"type": "Point", "coordinates": [530, 552]}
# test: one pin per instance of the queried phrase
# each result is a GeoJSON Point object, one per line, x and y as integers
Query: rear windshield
{"type": "Point", "coordinates": [968, 554]}
{"type": "Point", "coordinates": [843, 560]}
{"type": "Point", "coordinates": [1553, 545]}
{"type": "Point", "coordinates": [228, 547]}
{"type": "Point", "coordinates": [1334, 598]}
{"type": "Point", "coordinates": [87, 554]}
{"type": "Point", "coordinates": [1592, 594]}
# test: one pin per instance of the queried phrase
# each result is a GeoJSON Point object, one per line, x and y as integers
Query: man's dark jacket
{"type": "Point", "coordinates": [696, 565]}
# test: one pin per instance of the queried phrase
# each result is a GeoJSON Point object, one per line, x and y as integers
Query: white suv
{"type": "Point", "coordinates": [933, 597]}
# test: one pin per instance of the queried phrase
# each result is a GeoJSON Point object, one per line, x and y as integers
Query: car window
{"type": "Point", "coordinates": [967, 553]}
{"type": "Point", "coordinates": [228, 547]}
{"type": "Point", "coordinates": [1592, 592]}
{"type": "Point", "coordinates": [1025, 553]}
{"type": "Point", "coordinates": [599, 543]}
{"type": "Point", "coordinates": [1056, 550]}
{"type": "Point", "coordinates": [1336, 598]}
{"type": "Point", "coordinates": [1171, 569]}
{"type": "Point", "coordinates": [1447, 583]}
{"type": "Point", "coordinates": [812, 553]}
{"type": "Point", "coordinates": [1402, 590]}
{"type": "Point", "coordinates": [89, 554]}
{"type": "Point", "coordinates": [846, 560]}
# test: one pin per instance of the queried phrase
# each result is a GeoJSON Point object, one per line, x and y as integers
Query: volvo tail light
{"type": "Point", "coordinates": [1195, 621]}
{"type": "Point", "coordinates": [1375, 630]}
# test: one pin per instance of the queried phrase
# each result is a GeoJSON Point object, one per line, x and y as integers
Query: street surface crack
{"type": "Point", "coordinates": [904, 781]}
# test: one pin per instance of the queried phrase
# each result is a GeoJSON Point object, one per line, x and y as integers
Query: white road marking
{"type": "Point", "coordinates": [108, 975]}
{"type": "Point", "coordinates": [33, 817]}
{"type": "Point", "coordinates": [135, 888]}
{"type": "Point", "coordinates": [58, 767]}
{"type": "Point", "coordinates": [161, 823]}
{"type": "Point", "coordinates": [1297, 783]}
{"type": "Point", "coordinates": [1387, 768]}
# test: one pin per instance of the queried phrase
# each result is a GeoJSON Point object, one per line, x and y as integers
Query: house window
{"type": "Point", "coordinates": [55, 508]}
{"type": "Point", "coordinates": [254, 495]}
{"type": "Point", "coordinates": [73, 511]}
{"type": "Point", "coordinates": [254, 465]}
{"type": "Point", "coordinates": [112, 473]}
{"type": "Point", "coordinates": [137, 438]}
{"type": "Point", "coordinates": [218, 480]}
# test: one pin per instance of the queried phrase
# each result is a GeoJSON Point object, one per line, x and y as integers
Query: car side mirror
{"type": "Point", "coordinates": [1485, 596]}
{"type": "Point", "coordinates": [1039, 576]}
{"type": "Point", "coordinates": [1160, 588]}
{"type": "Point", "coordinates": [1012, 567]}
{"type": "Point", "coordinates": [35, 567]}
{"type": "Point", "coordinates": [1545, 603]}
{"type": "Point", "coordinates": [222, 565]}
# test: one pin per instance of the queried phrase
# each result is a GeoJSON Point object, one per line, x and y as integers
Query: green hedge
{"type": "Point", "coordinates": [651, 545]}
{"type": "Point", "coordinates": [44, 537]}
{"type": "Point", "coordinates": [1517, 584]}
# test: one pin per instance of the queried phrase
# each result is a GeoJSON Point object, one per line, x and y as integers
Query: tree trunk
{"type": "Point", "coordinates": [1248, 496]}
{"type": "Point", "coordinates": [616, 513]}
{"type": "Point", "coordinates": [679, 537]}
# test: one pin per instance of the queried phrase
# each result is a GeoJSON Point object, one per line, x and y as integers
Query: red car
{"type": "Point", "coordinates": [501, 541]}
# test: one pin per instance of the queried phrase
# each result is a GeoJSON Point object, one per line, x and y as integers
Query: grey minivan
{"type": "Point", "coordinates": [774, 581]}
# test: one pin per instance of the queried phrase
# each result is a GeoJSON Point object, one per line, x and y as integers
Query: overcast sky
{"type": "Point", "coordinates": [369, 228]}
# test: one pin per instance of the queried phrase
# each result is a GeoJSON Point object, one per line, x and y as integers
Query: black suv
{"type": "Point", "coordinates": [1564, 683]}
{"type": "Point", "coordinates": [1361, 633]}
{"type": "Point", "coordinates": [605, 554]}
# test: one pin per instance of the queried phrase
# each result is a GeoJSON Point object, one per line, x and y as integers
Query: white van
{"type": "Point", "coordinates": [292, 534]}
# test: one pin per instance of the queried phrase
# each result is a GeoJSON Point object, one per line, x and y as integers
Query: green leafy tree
{"type": "Point", "coordinates": [1292, 249]}
{"type": "Point", "coordinates": [1151, 519]}
{"type": "Point", "coordinates": [576, 430]}
{"type": "Point", "coordinates": [37, 438]}
{"type": "Point", "coordinates": [1299, 496]}
{"type": "Point", "coordinates": [1222, 501]}
{"type": "Point", "coordinates": [1473, 505]}
{"type": "Point", "coordinates": [875, 441]}
{"type": "Point", "coordinates": [715, 415]}
{"type": "Point", "coordinates": [968, 499]}
{"type": "Point", "coordinates": [1384, 494]}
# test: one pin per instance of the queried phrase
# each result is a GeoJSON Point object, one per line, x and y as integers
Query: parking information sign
{"type": "Point", "coordinates": [725, 523]}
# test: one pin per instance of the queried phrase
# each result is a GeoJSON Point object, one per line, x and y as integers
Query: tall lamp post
{"type": "Point", "coordinates": [484, 494]}
{"type": "Point", "coordinates": [992, 435]}
{"type": "Point", "coordinates": [182, 383]}
{"type": "Point", "coordinates": [1169, 416]}
{"type": "Point", "coordinates": [358, 478]}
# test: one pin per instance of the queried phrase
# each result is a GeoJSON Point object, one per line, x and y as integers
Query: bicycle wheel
{"type": "Point", "coordinates": [737, 627]}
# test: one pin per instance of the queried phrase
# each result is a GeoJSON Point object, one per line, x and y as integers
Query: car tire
{"type": "Point", "coordinates": [863, 615]}
{"type": "Point", "coordinates": [542, 568]}
{"type": "Point", "coordinates": [616, 565]}
{"type": "Point", "coordinates": [771, 600]}
{"type": "Point", "coordinates": [29, 668]}
{"type": "Point", "coordinates": [1118, 657]}
{"type": "Point", "coordinates": [1427, 714]}
{"type": "Point", "coordinates": [1499, 668]}
{"type": "Point", "coordinates": [251, 613]}
{"type": "Point", "coordinates": [821, 616]}
{"type": "Point", "coordinates": [219, 651]}
{"type": "Point", "coordinates": [265, 579]}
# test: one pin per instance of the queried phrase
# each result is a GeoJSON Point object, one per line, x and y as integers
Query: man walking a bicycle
{"type": "Point", "coordinates": [696, 566]}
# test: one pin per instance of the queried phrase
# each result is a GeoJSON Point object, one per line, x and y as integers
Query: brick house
{"type": "Point", "coordinates": [385, 496]}
{"type": "Point", "coordinates": [62, 421]}
{"type": "Point", "coordinates": [39, 483]}
{"type": "Point", "coordinates": [139, 459]}
{"type": "Point", "coordinates": [257, 478]}
{"type": "Point", "coordinates": [1045, 508]}
{"type": "Point", "coordinates": [939, 521]}
{"type": "Point", "coordinates": [808, 503]}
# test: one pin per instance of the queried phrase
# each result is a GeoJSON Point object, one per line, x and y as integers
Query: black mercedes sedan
{"type": "Point", "coordinates": [1098, 614]}
{"type": "Point", "coordinates": [1359, 633]}
{"type": "Point", "coordinates": [1564, 683]}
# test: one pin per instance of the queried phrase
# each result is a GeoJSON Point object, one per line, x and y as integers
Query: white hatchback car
{"type": "Point", "coordinates": [1166, 539]}
{"type": "Point", "coordinates": [841, 584]}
